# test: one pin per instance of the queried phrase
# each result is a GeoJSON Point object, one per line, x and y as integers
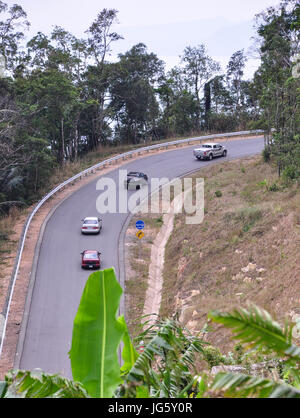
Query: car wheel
{"type": "Point", "coordinates": [225, 154]}
{"type": "Point", "coordinates": [210, 157]}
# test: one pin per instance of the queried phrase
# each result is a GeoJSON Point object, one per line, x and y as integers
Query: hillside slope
{"type": "Point", "coordinates": [246, 250]}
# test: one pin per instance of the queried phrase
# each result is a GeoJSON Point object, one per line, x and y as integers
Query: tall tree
{"type": "Point", "coordinates": [100, 40]}
{"type": "Point", "coordinates": [279, 36]}
{"type": "Point", "coordinates": [39, 50]}
{"type": "Point", "coordinates": [133, 94]}
{"type": "Point", "coordinates": [101, 35]}
{"type": "Point", "coordinates": [220, 95]}
{"type": "Point", "coordinates": [199, 68]}
{"type": "Point", "coordinates": [11, 32]}
{"type": "Point", "coordinates": [235, 73]}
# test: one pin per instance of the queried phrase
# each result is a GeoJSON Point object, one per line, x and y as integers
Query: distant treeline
{"type": "Point", "coordinates": [60, 97]}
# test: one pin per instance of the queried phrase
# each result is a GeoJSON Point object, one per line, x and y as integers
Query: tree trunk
{"type": "Point", "coordinates": [62, 157]}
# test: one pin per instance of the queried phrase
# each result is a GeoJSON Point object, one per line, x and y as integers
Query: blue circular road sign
{"type": "Point", "coordinates": [140, 225]}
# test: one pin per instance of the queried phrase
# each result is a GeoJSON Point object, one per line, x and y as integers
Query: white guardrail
{"type": "Point", "coordinates": [4, 315]}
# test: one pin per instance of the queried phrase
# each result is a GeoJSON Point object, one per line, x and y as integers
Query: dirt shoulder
{"type": "Point", "coordinates": [138, 258]}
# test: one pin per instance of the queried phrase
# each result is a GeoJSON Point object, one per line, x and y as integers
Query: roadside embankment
{"type": "Point", "coordinates": [245, 251]}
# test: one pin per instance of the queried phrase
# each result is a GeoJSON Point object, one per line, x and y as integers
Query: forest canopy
{"type": "Point", "coordinates": [61, 97]}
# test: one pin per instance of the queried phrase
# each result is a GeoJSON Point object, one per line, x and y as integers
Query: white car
{"type": "Point", "coordinates": [91, 226]}
{"type": "Point", "coordinates": [209, 151]}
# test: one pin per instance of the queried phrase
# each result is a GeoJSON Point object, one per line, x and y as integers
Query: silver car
{"type": "Point", "coordinates": [91, 226]}
{"type": "Point", "coordinates": [209, 151]}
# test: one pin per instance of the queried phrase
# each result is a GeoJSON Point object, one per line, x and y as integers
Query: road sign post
{"type": "Point", "coordinates": [140, 225]}
{"type": "Point", "coordinates": [140, 235]}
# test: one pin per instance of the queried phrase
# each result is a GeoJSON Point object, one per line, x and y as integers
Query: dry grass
{"type": "Point", "coordinates": [8, 239]}
{"type": "Point", "coordinates": [246, 250]}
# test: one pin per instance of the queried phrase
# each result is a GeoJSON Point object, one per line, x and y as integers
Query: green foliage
{"type": "Point", "coordinates": [243, 386]}
{"type": "Point", "coordinates": [164, 368]}
{"type": "Point", "coordinates": [159, 221]}
{"type": "Point", "coordinates": [11, 35]}
{"type": "Point", "coordinates": [290, 173]}
{"type": "Point", "coordinates": [132, 92]}
{"type": "Point", "coordinates": [279, 97]}
{"type": "Point", "coordinates": [218, 193]}
{"type": "Point", "coordinates": [3, 388]}
{"type": "Point", "coordinates": [65, 99]}
{"type": "Point", "coordinates": [257, 328]}
{"type": "Point", "coordinates": [274, 187]}
{"type": "Point", "coordinates": [214, 357]}
{"type": "Point", "coordinates": [263, 183]}
{"type": "Point", "coordinates": [97, 335]}
{"type": "Point", "coordinates": [129, 353]}
{"type": "Point", "coordinates": [37, 384]}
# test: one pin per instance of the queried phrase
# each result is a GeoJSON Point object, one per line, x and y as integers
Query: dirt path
{"type": "Point", "coordinates": [155, 281]}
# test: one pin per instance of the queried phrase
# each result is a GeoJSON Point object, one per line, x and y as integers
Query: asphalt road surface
{"type": "Point", "coordinates": [59, 278]}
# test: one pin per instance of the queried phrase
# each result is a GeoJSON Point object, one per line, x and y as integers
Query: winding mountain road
{"type": "Point", "coordinates": [59, 279]}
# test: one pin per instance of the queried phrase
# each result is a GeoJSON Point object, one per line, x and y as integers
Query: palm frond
{"type": "Point", "coordinates": [166, 362]}
{"type": "Point", "coordinates": [257, 328]}
{"type": "Point", "coordinates": [157, 344]}
{"type": "Point", "coordinates": [181, 377]}
{"type": "Point", "coordinates": [37, 384]}
{"type": "Point", "coordinates": [240, 385]}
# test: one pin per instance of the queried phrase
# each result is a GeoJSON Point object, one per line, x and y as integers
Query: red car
{"type": "Point", "coordinates": [91, 259]}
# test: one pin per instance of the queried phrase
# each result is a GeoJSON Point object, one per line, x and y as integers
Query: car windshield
{"type": "Point", "coordinates": [91, 256]}
{"type": "Point", "coordinates": [91, 222]}
{"type": "Point", "coordinates": [206, 146]}
{"type": "Point", "coordinates": [133, 174]}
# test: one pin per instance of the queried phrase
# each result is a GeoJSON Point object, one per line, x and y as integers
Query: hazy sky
{"type": "Point", "coordinates": [165, 26]}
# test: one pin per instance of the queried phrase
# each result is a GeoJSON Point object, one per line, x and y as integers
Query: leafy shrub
{"type": "Point", "coordinates": [290, 173]}
{"type": "Point", "coordinates": [214, 357]}
{"type": "Point", "coordinates": [266, 154]}
{"type": "Point", "coordinates": [218, 193]}
{"type": "Point", "coordinates": [159, 221]}
{"type": "Point", "coordinates": [274, 187]}
{"type": "Point", "coordinates": [263, 183]}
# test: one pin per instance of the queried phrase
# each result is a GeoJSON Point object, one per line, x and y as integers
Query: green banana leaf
{"type": "Point", "coordinates": [97, 335]}
{"type": "Point", "coordinates": [129, 353]}
{"type": "Point", "coordinates": [3, 388]}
